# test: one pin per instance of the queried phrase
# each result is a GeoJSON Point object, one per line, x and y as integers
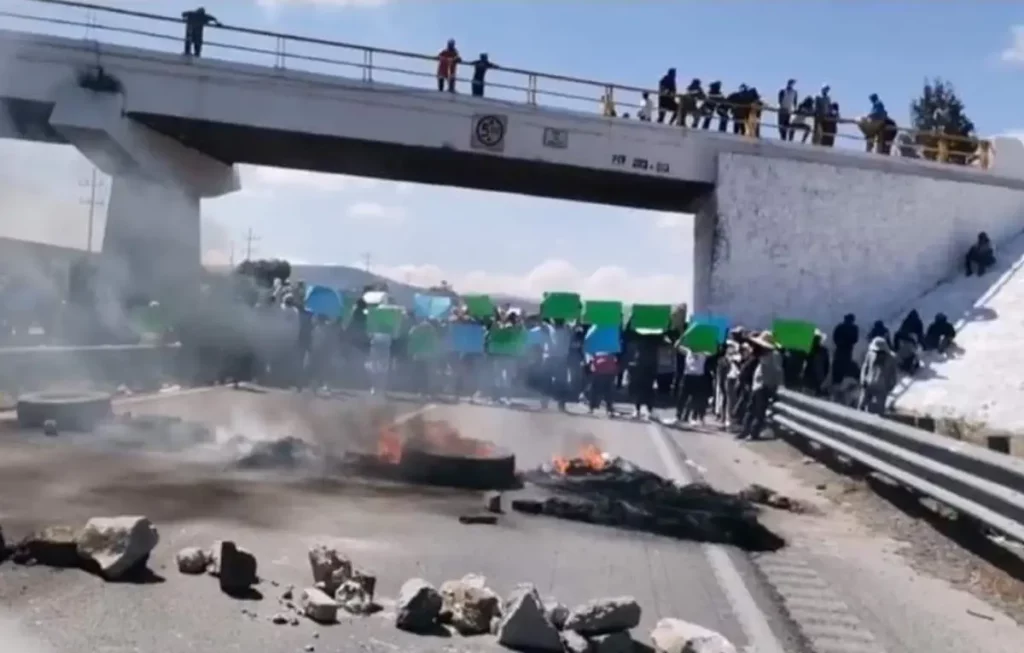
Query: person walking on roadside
{"type": "Point", "coordinates": [878, 376]}
{"type": "Point", "coordinates": [195, 23]}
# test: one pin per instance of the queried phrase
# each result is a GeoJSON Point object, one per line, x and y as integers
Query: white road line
{"type": "Point", "coordinates": [752, 620]}
{"type": "Point", "coordinates": [405, 417]}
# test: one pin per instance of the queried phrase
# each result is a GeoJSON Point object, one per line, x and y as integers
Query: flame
{"type": "Point", "coordinates": [389, 445]}
{"type": "Point", "coordinates": [589, 458]}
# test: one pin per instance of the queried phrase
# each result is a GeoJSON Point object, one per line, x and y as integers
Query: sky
{"type": "Point", "coordinates": [521, 245]}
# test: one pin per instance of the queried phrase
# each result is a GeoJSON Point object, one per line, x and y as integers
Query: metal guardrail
{"type": "Point", "coordinates": [976, 482]}
{"type": "Point", "coordinates": [27, 369]}
{"type": "Point", "coordinates": [380, 65]}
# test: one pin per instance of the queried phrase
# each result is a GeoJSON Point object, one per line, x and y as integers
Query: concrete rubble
{"type": "Point", "coordinates": [468, 605]}
{"type": "Point", "coordinates": [523, 624]}
{"type": "Point", "coordinates": [765, 496]}
{"type": "Point", "coordinates": [318, 606]}
{"type": "Point", "coordinates": [53, 546]}
{"type": "Point", "coordinates": [573, 642]}
{"type": "Point", "coordinates": [492, 502]}
{"type": "Point", "coordinates": [192, 560]}
{"type": "Point", "coordinates": [603, 616]}
{"type": "Point", "coordinates": [117, 545]}
{"type": "Point", "coordinates": [680, 636]}
{"type": "Point", "coordinates": [330, 566]}
{"type": "Point", "coordinates": [418, 607]}
{"type": "Point", "coordinates": [617, 642]}
{"type": "Point", "coordinates": [237, 569]}
{"type": "Point", "coordinates": [556, 613]}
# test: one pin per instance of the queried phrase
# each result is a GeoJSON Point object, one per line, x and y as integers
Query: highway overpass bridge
{"type": "Point", "coordinates": [834, 229]}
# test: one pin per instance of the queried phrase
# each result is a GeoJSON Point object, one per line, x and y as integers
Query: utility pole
{"type": "Point", "coordinates": [94, 184]}
{"type": "Point", "coordinates": [249, 240]}
{"type": "Point", "coordinates": [231, 260]}
{"type": "Point", "coordinates": [367, 257]}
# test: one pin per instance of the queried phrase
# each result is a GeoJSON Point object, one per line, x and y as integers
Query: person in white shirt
{"type": "Point", "coordinates": [646, 109]}
{"type": "Point", "coordinates": [789, 99]}
{"type": "Point", "coordinates": [692, 399]}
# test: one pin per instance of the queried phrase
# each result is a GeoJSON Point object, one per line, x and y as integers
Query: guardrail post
{"type": "Point", "coordinates": [986, 155]}
{"type": "Point", "coordinates": [279, 53]}
{"type": "Point", "coordinates": [368, 65]}
{"type": "Point", "coordinates": [531, 89]}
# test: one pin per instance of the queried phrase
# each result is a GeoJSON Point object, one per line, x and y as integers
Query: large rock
{"type": "Point", "coordinates": [619, 642]}
{"type": "Point", "coordinates": [680, 636]}
{"type": "Point", "coordinates": [330, 566]}
{"type": "Point", "coordinates": [573, 642]}
{"type": "Point", "coordinates": [237, 568]}
{"type": "Point", "coordinates": [523, 625]}
{"type": "Point", "coordinates": [556, 613]}
{"type": "Point", "coordinates": [353, 598]}
{"type": "Point", "coordinates": [117, 544]}
{"type": "Point", "coordinates": [469, 605]}
{"type": "Point", "coordinates": [318, 606]}
{"type": "Point", "coordinates": [606, 615]}
{"type": "Point", "coordinates": [192, 560]}
{"type": "Point", "coordinates": [418, 607]}
{"type": "Point", "coordinates": [54, 546]}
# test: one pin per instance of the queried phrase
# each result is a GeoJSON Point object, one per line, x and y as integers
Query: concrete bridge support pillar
{"type": "Point", "coordinates": [151, 247]}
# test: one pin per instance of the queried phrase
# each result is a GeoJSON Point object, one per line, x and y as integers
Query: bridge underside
{"type": "Point", "coordinates": [238, 144]}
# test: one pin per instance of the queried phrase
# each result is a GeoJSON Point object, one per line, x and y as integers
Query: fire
{"type": "Point", "coordinates": [589, 458]}
{"type": "Point", "coordinates": [389, 445]}
{"type": "Point", "coordinates": [435, 436]}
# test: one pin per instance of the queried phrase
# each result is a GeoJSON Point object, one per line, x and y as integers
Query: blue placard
{"type": "Point", "coordinates": [431, 307]}
{"type": "Point", "coordinates": [538, 336]}
{"type": "Point", "coordinates": [606, 339]}
{"type": "Point", "coordinates": [321, 300]}
{"type": "Point", "coordinates": [467, 338]}
{"type": "Point", "coordinates": [720, 323]}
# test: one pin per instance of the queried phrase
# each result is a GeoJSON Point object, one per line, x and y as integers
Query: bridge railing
{"type": "Point", "coordinates": [394, 67]}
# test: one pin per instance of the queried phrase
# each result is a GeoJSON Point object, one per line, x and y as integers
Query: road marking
{"type": "Point", "coordinates": [753, 622]}
{"type": "Point", "coordinates": [405, 417]}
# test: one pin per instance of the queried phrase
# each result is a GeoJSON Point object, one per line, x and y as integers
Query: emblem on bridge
{"type": "Point", "coordinates": [489, 132]}
{"type": "Point", "coordinates": [556, 138]}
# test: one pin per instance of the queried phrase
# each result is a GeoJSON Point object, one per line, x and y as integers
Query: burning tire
{"type": "Point", "coordinates": [72, 411]}
{"type": "Point", "coordinates": [494, 469]}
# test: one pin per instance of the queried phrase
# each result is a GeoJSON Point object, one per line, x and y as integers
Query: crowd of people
{"type": "Point", "coordinates": [553, 361]}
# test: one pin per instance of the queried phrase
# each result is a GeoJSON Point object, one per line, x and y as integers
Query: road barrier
{"type": "Point", "coordinates": [983, 485]}
{"type": "Point", "coordinates": [26, 369]}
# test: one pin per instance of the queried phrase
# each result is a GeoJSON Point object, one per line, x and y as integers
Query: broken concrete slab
{"type": "Point", "coordinates": [681, 636]}
{"type": "Point", "coordinates": [492, 502]}
{"type": "Point", "coordinates": [573, 642]}
{"type": "Point", "coordinates": [523, 624]}
{"type": "Point", "coordinates": [556, 613]}
{"type": "Point", "coordinates": [605, 615]}
{"type": "Point", "coordinates": [117, 545]}
{"type": "Point", "coordinates": [353, 598]}
{"type": "Point", "coordinates": [330, 566]}
{"type": "Point", "coordinates": [53, 546]}
{"type": "Point", "coordinates": [418, 606]}
{"type": "Point", "coordinates": [318, 606]}
{"type": "Point", "coordinates": [617, 642]}
{"type": "Point", "coordinates": [237, 569]}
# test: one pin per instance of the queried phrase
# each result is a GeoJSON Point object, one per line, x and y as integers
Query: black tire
{"type": "Point", "coordinates": [72, 411]}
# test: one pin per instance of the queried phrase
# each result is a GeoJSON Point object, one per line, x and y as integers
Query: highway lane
{"type": "Point", "coordinates": [396, 532]}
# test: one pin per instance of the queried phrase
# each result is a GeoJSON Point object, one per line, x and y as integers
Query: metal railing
{"type": "Point", "coordinates": [385, 66]}
{"type": "Point", "coordinates": [983, 485]}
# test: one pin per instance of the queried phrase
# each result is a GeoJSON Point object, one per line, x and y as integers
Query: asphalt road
{"type": "Point", "coordinates": [397, 532]}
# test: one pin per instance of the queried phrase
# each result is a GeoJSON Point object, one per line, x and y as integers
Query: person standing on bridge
{"type": "Point", "coordinates": [480, 68]}
{"type": "Point", "coordinates": [195, 22]}
{"type": "Point", "coordinates": [447, 63]}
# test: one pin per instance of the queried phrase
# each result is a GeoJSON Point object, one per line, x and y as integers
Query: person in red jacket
{"type": "Point", "coordinates": [447, 63]}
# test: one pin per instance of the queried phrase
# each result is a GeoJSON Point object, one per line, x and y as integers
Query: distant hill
{"type": "Point", "coordinates": [343, 276]}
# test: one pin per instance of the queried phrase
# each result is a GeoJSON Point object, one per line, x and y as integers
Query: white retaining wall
{"type": "Point", "coordinates": [816, 241]}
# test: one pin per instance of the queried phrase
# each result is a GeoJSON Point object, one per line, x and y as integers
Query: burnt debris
{"type": "Point", "coordinates": [615, 492]}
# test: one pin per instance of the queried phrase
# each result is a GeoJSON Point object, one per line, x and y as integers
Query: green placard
{"type": "Point", "coordinates": [603, 313]}
{"type": "Point", "coordinates": [651, 317]}
{"type": "Point", "coordinates": [702, 338]}
{"type": "Point", "coordinates": [479, 306]}
{"type": "Point", "coordinates": [423, 341]}
{"type": "Point", "coordinates": [385, 320]}
{"type": "Point", "coordinates": [794, 334]}
{"type": "Point", "coordinates": [507, 341]}
{"type": "Point", "coordinates": [561, 305]}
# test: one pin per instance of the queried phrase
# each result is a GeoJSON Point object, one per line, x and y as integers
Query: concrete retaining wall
{"type": "Point", "coordinates": [815, 241]}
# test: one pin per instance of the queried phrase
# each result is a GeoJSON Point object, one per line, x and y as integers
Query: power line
{"type": "Point", "coordinates": [250, 239]}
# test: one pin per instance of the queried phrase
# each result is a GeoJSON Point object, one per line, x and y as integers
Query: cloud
{"type": "Point", "coordinates": [372, 211]}
{"type": "Point", "coordinates": [606, 282]}
{"type": "Point", "coordinates": [1014, 54]}
{"type": "Point", "coordinates": [255, 177]}
{"type": "Point", "coordinates": [330, 4]}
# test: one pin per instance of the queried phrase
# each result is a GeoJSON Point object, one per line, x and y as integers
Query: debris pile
{"type": "Point", "coordinates": [114, 548]}
{"type": "Point", "coordinates": [766, 496]}
{"type": "Point", "coordinates": [597, 488]}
